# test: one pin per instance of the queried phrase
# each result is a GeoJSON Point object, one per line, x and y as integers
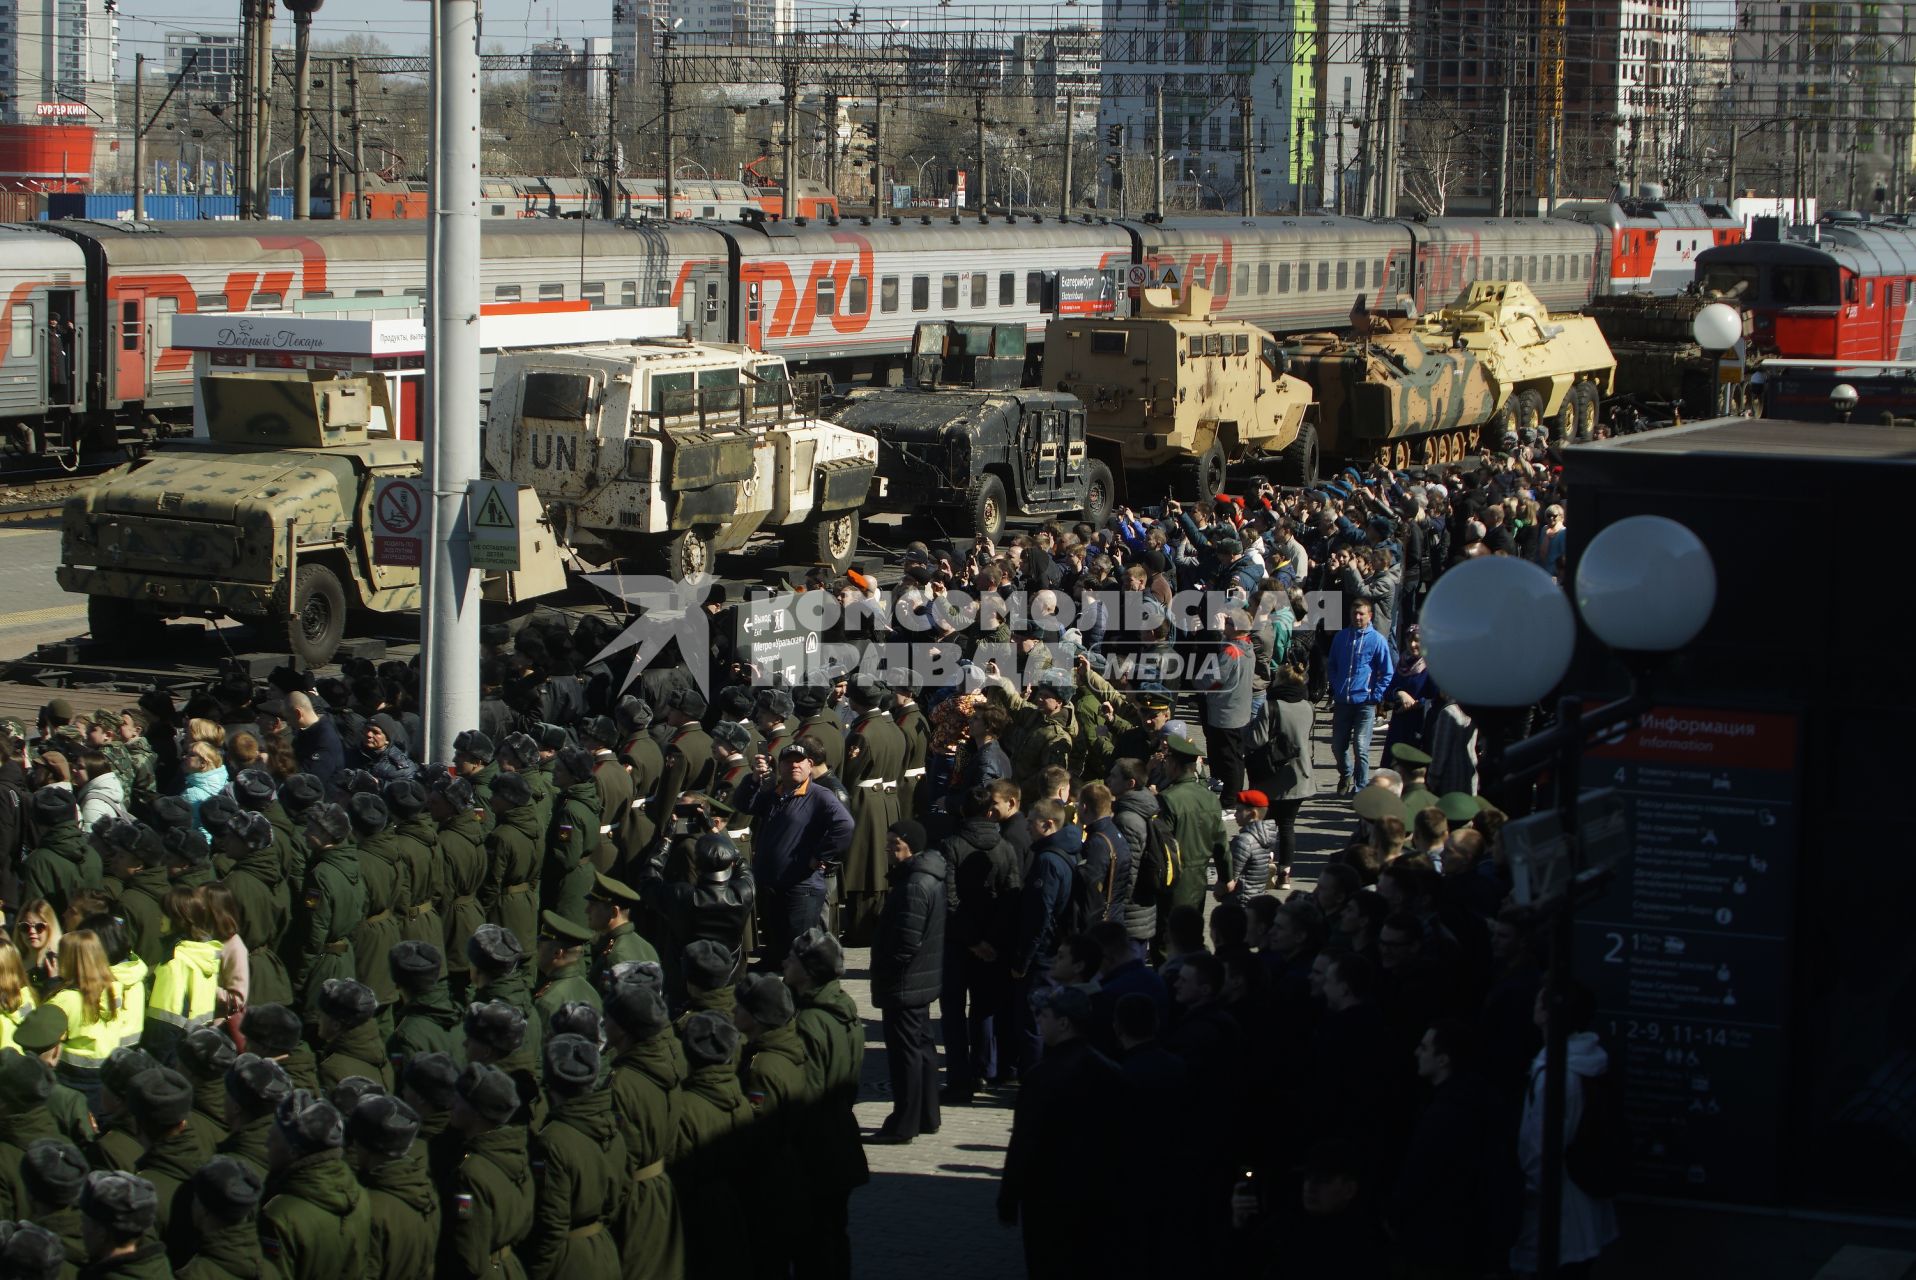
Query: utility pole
{"type": "Point", "coordinates": [359, 156]}
{"type": "Point", "coordinates": [831, 142]}
{"type": "Point", "coordinates": [242, 139]}
{"type": "Point", "coordinates": [1729, 177]}
{"type": "Point", "coordinates": [671, 140]}
{"type": "Point", "coordinates": [608, 206]}
{"type": "Point", "coordinates": [449, 619]}
{"type": "Point", "coordinates": [1393, 129]}
{"type": "Point", "coordinates": [332, 134]}
{"type": "Point", "coordinates": [139, 140]}
{"type": "Point", "coordinates": [788, 145]}
{"type": "Point", "coordinates": [878, 152]}
{"type": "Point", "coordinates": [978, 122]}
{"type": "Point", "coordinates": [1064, 193]}
{"type": "Point", "coordinates": [1339, 197]}
{"type": "Point", "coordinates": [302, 106]}
{"type": "Point", "coordinates": [263, 111]}
{"type": "Point", "coordinates": [1249, 160]}
{"type": "Point", "coordinates": [1157, 157]}
{"type": "Point", "coordinates": [1503, 150]}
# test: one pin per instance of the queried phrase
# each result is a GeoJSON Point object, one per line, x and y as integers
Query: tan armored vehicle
{"type": "Point", "coordinates": [267, 520]}
{"type": "Point", "coordinates": [1399, 391]}
{"type": "Point", "coordinates": [1173, 395]}
{"type": "Point", "coordinates": [660, 454]}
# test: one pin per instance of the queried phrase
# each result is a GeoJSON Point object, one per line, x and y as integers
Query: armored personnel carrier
{"type": "Point", "coordinates": [660, 454]}
{"type": "Point", "coordinates": [1174, 395]}
{"type": "Point", "coordinates": [1398, 391]}
{"type": "Point", "coordinates": [965, 441]}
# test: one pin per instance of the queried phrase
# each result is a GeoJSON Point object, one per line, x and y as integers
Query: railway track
{"type": "Point", "coordinates": [42, 499]}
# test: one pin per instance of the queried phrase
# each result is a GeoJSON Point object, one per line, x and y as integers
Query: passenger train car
{"type": "Point", "coordinates": [1839, 290]}
{"type": "Point", "coordinates": [839, 296]}
{"type": "Point", "coordinates": [1653, 244]}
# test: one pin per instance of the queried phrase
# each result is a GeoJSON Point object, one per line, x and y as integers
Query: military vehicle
{"type": "Point", "coordinates": [1174, 395]}
{"type": "Point", "coordinates": [266, 520]}
{"type": "Point", "coordinates": [1399, 391]}
{"type": "Point", "coordinates": [964, 441]}
{"type": "Point", "coordinates": [660, 453]}
{"type": "Point", "coordinates": [1662, 371]}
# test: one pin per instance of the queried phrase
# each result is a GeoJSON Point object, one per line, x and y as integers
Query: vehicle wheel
{"type": "Point", "coordinates": [123, 626]}
{"type": "Point", "coordinates": [1204, 477]}
{"type": "Point", "coordinates": [1587, 401]}
{"type": "Point", "coordinates": [1526, 412]}
{"type": "Point", "coordinates": [318, 620]}
{"type": "Point", "coordinates": [986, 507]}
{"type": "Point", "coordinates": [1098, 488]}
{"type": "Point", "coordinates": [687, 555]}
{"type": "Point", "coordinates": [828, 540]}
{"type": "Point", "coordinates": [1298, 464]}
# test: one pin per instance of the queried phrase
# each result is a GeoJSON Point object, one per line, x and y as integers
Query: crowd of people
{"type": "Point", "coordinates": [279, 995]}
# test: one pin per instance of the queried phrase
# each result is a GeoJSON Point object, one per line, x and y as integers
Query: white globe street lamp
{"type": "Point", "coordinates": [1646, 584]}
{"type": "Point", "coordinates": [1497, 632]}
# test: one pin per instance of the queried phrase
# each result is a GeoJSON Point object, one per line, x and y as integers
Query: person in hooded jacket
{"type": "Point", "coordinates": [579, 1166]}
{"type": "Point", "coordinates": [332, 904]}
{"type": "Point", "coordinates": [513, 848]}
{"type": "Point", "coordinates": [416, 843]}
{"type": "Point", "coordinates": [426, 1020]}
{"type": "Point", "coordinates": [574, 837]}
{"type": "Point", "coordinates": [834, 1036]}
{"type": "Point", "coordinates": [981, 926]}
{"type": "Point", "coordinates": [1133, 807]}
{"type": "Point", "coordinates": [643, 1088]}
{"type": "Point", "coordinates": [463, 866]}
{"type": "Point", "coordinates": [1043, 902]}
{"type": "Point", "coordinates": [225, 1219]}
{"type": "Point", "coordinates": [186, 985]}
{"type": "Point", "coordinates": [349, 1040]}
{"type": "Point", "coordinates": [383, 1149]}
{"type": "Point", "coordinates": [248, 848]}
{"type": "Point", "coordinates": [1281, 767]}
{"type": "Point", "coordinates": [708, 1156]}
{"type": "Point", "coordinates": [317, 1221]}
{"type": "Point", "coordinates": [381, 751]}
{"type": "Point", "coordinates": [102, 794]}
{"type": "Point", "coordinates": [907, 959]}
{"type": "Point", "coordinates": [62, 862]}
{"type": "Point", "coordinates": [487, 1198]}
{"type": "Point", "coordinates": [1109, 860]}
{"type": "Point", "coordinates": [388, 892]}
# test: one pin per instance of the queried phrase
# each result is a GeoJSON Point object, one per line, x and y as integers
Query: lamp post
{"type": "Point", "coordinates": [1843, 399]}
{"type": "Point", "coordinates": [1499, 634]}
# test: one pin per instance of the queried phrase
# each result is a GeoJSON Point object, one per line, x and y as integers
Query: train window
{"type": "Point", "coordinates": [858, 295]}
{"type": "Point", "coordinates": [711, 302]}
{"type": "Point", "coordinates": [1849, 289]}
{"type": "Point", "coordinates": [357, 293]}
{"type": "Point", "coordinates": [888, 293]}
{"type": "Point", "coordinates": [1109, 342]}
{"type": "Point", "coordinates": [1343, 276]}
{"type": "Point", "coordinates": [1283, 277]}
{"type": "Point", "coordinates": [948, 293]}
{"type": "Point", "coordinates": [629, 293]}
{"type": "Point", "coordinates": [1547, 273]}
{"type": "Point", "coordinates": [23, 330]}
{"type": "Point", "coordinates": [265, 302]}
{"type": "Point", "coordinates": [1007, 288]}
{"type": "Point", "coordinates": [316, 295]}
{"type": "Point", "coordinates": [164, 309]}
{"type": "Point", "coordinates": [827, 296]}
{"type": "Point", "coordinates": [1263, 277]}
{"type": "Point", "coordinates": [661, 292]}
{"type": "Point", "coordinates": [1034, 288]}
{"type": "Point", "coordinates": [980, 289]}
{"type": "Point", "coordinates": [1532, 273]}
{"type": "Point", "coordinates": [1201, 276]}
{"type": "Point", "coordinates": [593, 293]}
{"type": "Point", "coordinates": [1303, 277]}
{"type": "Point", "coordinates": [920, 293]}
{"type": "Point", "coordinates": [1244, 277]}
{"type": "Point", "coordinates": [1323, 276]}
{"type": "Point", "coordinates": [1869, 300]}
{"type": "Point", "coordinates": [1377, 271]}
{"type": "Point", "coordinates": [217, 301]}
{"type": "Point", "coordinates": [550, 292]}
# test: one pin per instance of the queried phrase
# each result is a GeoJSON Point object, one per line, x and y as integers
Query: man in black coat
{"type": "Point", "coordinates": [907, 963]}
{"type": "Point", "coordinates": [1441, 1213]}
{"type": "Point", "coordinates": [983, 919]}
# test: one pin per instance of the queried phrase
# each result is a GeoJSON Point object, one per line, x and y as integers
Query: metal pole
{"type": "Point", "coordinates": [1852, 165]}
{"type": "Point", "coordinates": [1064, 193]}
{"type": "Point", "coordinates": [1157, 157]}
{"type": "Point", "coordinates": [1249, 161]}
{"type": "Point", "coordinates": [1503, 153]}
{"type": "Point", "coordinates": [359, 156]}
{"type": "Point", "coordinates": [332, 134]}
{"type": "Point", "coordinates": [608, 205]}
{"type": "Point", "coordinates": [831, 142]}
{"type": "Point", "coordinates": [672, 153]}
{"type": "Point", "coordinates": [139, 139]}
{"type": "Point", "coordinates": [789, 145]}
{"type": "Point", "coordinates": [1556, 999]}
{"type": "Point", "coordinates": [978, 125]}
{"type": "Point", "coordinates": [1339, 197]}
{"type": "Point", "coordinates": [263, 115]}
{"type": "Point", "coordinates": [450, 589]}
{"type": "Point", "coordinates": [302, 114]}
{"type": "Point", "coordinates": [241, 141]}
{"type": "Point", "coordinates": [878, 152]}
{"type": "Point", "coordinates": [1729, 178]}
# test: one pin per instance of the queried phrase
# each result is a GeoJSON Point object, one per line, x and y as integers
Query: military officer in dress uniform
{"type": "Point", "coordinates": [874, 766]}
{"type": "Point", "coordinates": [817, 720]}
{"type": "Point", "coordinates": [911, 721]}
{"type": "Point", "coordinates": [608, 908]}
{"type": "Point", "coordinates": [772, 712]}
{"type": "Point", "coordinates": [688, 752]}
{"type": "Point", "coordinates": [562, 978]}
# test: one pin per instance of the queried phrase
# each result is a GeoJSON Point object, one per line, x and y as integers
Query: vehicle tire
{"type": "Point", "coordinates": [318, 621]}
{"type": "Point", "coordinates": [986, 508]}
{"type": "Point", "coordinates": [123, 626]}
{"type": "Point", "coordinates": [1099, 490]}
{"type": "Point", "coordinates": [828, 540]}
{"type": "Point", "coordinates": [687, 554]}
{"type": "Point", "coordinates": [1298, 464]}
{"type": "Point", "coordinates": [1204, 477]}
{"type": "Point", "coordinates": [1588, 402]}
{"type": "Point", "coordinates": [1526, 412]}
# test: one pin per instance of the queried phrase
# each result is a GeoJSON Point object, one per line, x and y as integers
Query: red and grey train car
{"type": "Point", "coordinates": [1837, 291]}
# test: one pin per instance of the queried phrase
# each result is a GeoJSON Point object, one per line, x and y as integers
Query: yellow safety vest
{"type": "Point", "coordinates": [131, 973]}
{"type": "Point", "coordinates": [90, 1039]}
{"type": "Point", "coordinates": [10, 1020]}
{"type": "Point", "coordinates": [186, 989]}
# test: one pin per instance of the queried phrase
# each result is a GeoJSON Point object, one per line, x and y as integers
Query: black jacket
{"type": "Point", "coordinates": [1441, 1210]}
{"type": "Point", "coordinates": [318, 749]}
{"type": "Point", "coordinates": [909, 950]}
{"type": "Point", "coordinates": [984, 896]}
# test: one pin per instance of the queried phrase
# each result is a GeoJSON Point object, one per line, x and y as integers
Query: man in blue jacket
{"type": "Point", "coordinates": [797, 828]}
{"type": "Point", "coordinates": [1046, 897]}
{"type": "Point", "coordinates": [1360, 672]}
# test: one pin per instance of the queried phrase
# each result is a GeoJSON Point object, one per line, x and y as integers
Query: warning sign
{"type": "Point", "coordinates": [494, 505]}
{"type": "Point", "coordinates": [1136, 276]}
{"type": "Point", "coordinates": [1168, 278]}
{"type": "Point", "coordinates": [399, 512]}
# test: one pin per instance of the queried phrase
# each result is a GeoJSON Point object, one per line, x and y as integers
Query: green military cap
{"type": "Point", "coordinates": [713, 803]}
{"type": "Point", "coordinates": [41, 1029]}
{"type": "Point", "coordinates": [1152, 702]}
{"type": "Point", "coordinates": [606, 889]}
{"type": "Point", "coordinates": [1179, 745]}
{"type": "Point", "coordinates": [1404, 753]}
{"type": "Point", "coordinates": [557, 928]}
{"type": "Point", "coordinates": [1374, 803]}
{"type": "Point", "coordinates": [105, 719]}
{"type": "Point", "coordinates": [1459, 806]}
{"type": "Point", "coordinates": [1416, 801]}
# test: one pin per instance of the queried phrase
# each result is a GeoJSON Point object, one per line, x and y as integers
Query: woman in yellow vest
{"type": "Point", "coordinates": [186, 988]}
{"type": "Point", "coordinates": [91, 999]}
{"type": "Point", "coordinates": [16, 993]}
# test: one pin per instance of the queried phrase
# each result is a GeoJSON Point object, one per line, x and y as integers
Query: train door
{"type": "Point", "coordinates": [752, 326]}
{"type": "Point", "coordinates": [62, 349]}
{"type": "Point", "coordinates": [129, 362]}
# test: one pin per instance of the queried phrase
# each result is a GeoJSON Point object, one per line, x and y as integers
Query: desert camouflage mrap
{"type": "Point", "coordinates": [1173, 394]}
{"type": "Point", "coordinates": [658, 454]}
{"type": "Point", "coordinates": [1398, 390]}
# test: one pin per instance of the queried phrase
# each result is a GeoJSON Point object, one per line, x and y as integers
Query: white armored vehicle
{"type": "Point", "coordinates": [659, 454]}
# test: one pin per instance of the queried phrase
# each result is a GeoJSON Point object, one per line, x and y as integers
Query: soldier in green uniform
{"type": "Point", "coordinates": [499, 972]}
{"type": "Point", "coordinates": [62, 861]}
{"type": "Point", "coordinates": [818, 720]}
{"type": "Point", "coordinates": [132, 742]}
{"type": "Point", "coordinates": [462, 856]}
{"type": "Point", "coordinates": [53, 1172]}
{"type": "Point", "coordinates": [573, 840]}
{"type": "Point", "coordinates": [688, 753]}
{"type": "Point", "coordinates": [426, 1019]}
{"type": "Point", "coordinates": [29, 1251]}
{"type": "Point", "coordinates": [160, 1100]}
{"type": "Point", "coordinates": [225, 1199]}
{"type": "Point", "coordinates": [273, 1031]}
{"type": "Point", "coordinates": [118, 1146]}
{"type": "Point", "coordinates": [708, 1161]}
{"type": "Point", "coordinates": [497, 1035]}
{"type": "Point", "coordinates": [562, 947]}
{"type": "Point", "coordinates": [708, 969]}
{"type": "Point", "coordinates": [416, 840]}
{"type": "Point", "coordinates": [732, 778]}
{"type": "Point", "coordinates": [781, 1093]}
{"type": "Point", "coordinates": [206, 1055]}
{"type": "Point", "coordinates": [772, 713]}
{"type": "Point", "coordinates": [513, 850]}
{"type": "Point", "coordinates": [25, 1083]}
{"type": "Point", "coordinates": [608, 909]}
{"type": "Point", "coordinates": [349, 1039]}
{"type": "Point", "coordinates": [645, 760]}
{"type": "Point", "coordinates": [382, 1148]}
{"type": "Point", "coordinates": [119, 1211]}
{"type": "Point", "coordinates": [519, 754]}
{"type": "Point", "coordinates": [135, 863]}
{"type": "Point", "coordinates": [39, 1035]}
{"type": "Point", "coordinates": [256, 792]}
{"type": "Point", "coordinates": [1198, 820]}
{"type": "Point", "coordinates": [427, 1085]}
{"type": "Point", "coordinates": [598, 736]}
{"type": "Point", "coordinates": [1044, 730]}
{"type": "Point", "coordinates": [874, 766]}
{"type": "Point", "coordinates": [911, 721]}
{"type": "Point", "coordinates": [255, 876]}
{"type": "Point", "coordinates": [487, 1198]}
{"type": "Point", "coordinates": [645, 1081]}
{"type": "Point", "coordinates": [255, 1087]}
{"type": "Point", "coordinates": [317, 1222]}
{"type": "Point", "coordinates": [579, 1166]}
{"type": "Point", "coordinates": [828, 1023]}
{"type": "Point", "coordinates": [472, 759]}
{"type": "Point", "coordinates": [388, 893]}
{"type": "Point", "coordinates": [103, 738]}
{"type": "Point", "coordinates": [333, 902]}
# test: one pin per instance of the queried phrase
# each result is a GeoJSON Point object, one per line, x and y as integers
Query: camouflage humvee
{"type": "Point", "coordinates": [1181, 393]}
{"type": "Point", "coordinates": [264, 520]}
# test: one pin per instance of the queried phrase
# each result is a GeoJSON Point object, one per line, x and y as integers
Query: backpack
{"type": "Point", "coordinates": [1157, 863]}
{"type": "Point", "coordinates": [1080, 904]}
{"type": "Point", "coordinates": [1597, 1158]}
